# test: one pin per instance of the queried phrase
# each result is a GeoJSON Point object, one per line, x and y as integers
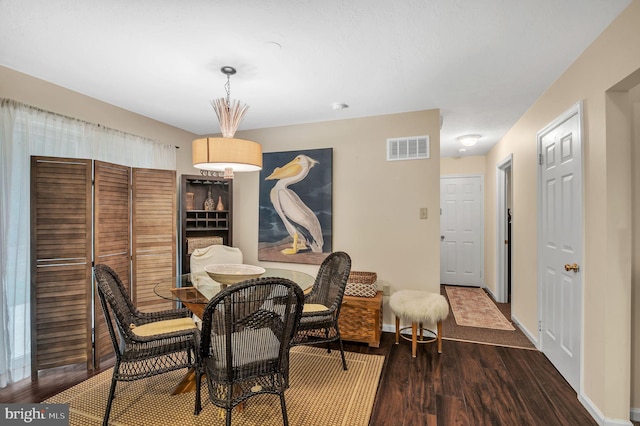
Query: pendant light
{"type": "Point", "coordinates": [227, 153]}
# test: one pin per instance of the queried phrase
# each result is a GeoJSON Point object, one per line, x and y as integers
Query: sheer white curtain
{"type": "Point", "coordinates": [27, 131]}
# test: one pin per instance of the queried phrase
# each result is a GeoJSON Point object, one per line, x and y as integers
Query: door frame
{"type": "Point", "coordinates": [501, 228]}
{"type": "Point", "coordinates": [482, 220]}
{"type": "Point", "coordinates": [576, 109]}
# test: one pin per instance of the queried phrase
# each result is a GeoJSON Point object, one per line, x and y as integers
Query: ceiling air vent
{"type": "Point", "coordinates": [410, 148]}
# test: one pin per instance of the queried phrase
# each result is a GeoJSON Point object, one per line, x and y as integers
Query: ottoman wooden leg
{"type": "Point", "coordinates": [439, 337]}
{"type": "Point", "coordinates": [414, 338]}
{"type": "Point", "coordinates": [397, 330]}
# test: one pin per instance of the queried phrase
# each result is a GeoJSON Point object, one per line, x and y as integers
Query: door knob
{"type": "Point", "coordinates": [573, 267]}
{"type": "Point", "coordinates": [441, 237]}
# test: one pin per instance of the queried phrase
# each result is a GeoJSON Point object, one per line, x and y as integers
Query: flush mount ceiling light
{"type": "Point", "coordinates": [227, 153]}
{"type": "Point", "coordinates": [337, 106]}
{"type": "Point", "coordinates": [469, 140]}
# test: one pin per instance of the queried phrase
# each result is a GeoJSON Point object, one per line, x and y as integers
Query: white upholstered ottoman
{"type": "Point", "coordinates": [419, 308]}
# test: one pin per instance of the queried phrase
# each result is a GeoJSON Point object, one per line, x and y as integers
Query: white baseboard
{"type": "Point", "coordinates": [392, 329]}
{"type": "Point", "coordinates": [592, 409]}
{"type": "Point", "coordinates": [389, 328]}
{"type": "Point", "coordinates": [616, 422]}
{"type": "Point", "coordinates": [598, 416]}
{"type": "Point", "coordinates": [635, 414]}
{"type": "Point", "coordinates": [488, 290]}
{"type": "Point", "coordinates": [525, 331]}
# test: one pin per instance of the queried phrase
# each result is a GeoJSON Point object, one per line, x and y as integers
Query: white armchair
{"type": "Point", "coordinates": [215, 254]}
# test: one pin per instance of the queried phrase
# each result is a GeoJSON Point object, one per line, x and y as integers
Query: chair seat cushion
{"type": "Point", "coordinates": [165, 326]}
{"type": "Point", "coordinates": [313, 313]}
{"type": "Point", "coordinates": [313, 307]}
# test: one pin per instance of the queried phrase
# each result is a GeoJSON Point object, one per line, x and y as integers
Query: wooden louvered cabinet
{"type": "Point", "coordinates": [133, 230]}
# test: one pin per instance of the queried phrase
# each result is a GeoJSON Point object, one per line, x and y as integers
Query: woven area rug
{"type": "Point", "coordinates": [320, 393]}
{"type": "Point", "coordinates": [472, 307]}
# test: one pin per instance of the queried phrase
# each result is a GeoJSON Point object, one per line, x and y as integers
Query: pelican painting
{"type": "Point", "coordinates": [299, 220]}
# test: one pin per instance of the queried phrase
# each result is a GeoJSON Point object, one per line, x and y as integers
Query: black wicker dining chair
{"type": "Point", "coordinates": [145, 343]}
{"type": "Point", "coordinates": [244, 351]}
{"type": "Point", "coordinates": [319, 321]}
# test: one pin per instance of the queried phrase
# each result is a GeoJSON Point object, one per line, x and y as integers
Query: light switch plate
{"type": "Point", "coordinates": [424, 213]}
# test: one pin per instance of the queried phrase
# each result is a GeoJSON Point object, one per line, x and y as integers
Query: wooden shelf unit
{"type": "Point", "coordinates": [197, 222]}
{"type": "Point", "coordinates": [204, 220]}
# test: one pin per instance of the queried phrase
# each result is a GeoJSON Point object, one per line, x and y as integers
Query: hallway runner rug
{"type": "Point", "coordinates": [472, 307]}
{"type": "Point", "coordinates": [321, 393]}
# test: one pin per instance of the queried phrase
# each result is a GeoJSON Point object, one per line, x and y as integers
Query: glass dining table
{"type": "Point", "coordinates": [195, 289]}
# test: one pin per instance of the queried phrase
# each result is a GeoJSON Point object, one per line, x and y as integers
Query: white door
{"type": "Point", "coordinates": [461, 230]}
{"type": "Point", "coordinates": [560, 243]}
{"type": "Point", "coordinates": [504, 240]}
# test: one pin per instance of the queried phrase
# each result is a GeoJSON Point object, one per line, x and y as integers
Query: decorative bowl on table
{"type": "Point", "coordinates": [230, 273]}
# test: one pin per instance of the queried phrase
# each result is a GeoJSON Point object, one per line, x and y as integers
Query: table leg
{"type": "Point", "coordinates": [187, 384]}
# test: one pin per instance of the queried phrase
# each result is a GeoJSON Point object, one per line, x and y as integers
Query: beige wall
{"type": "Point", "coordinates": [376, 203]}
{"type": "Point", "coordinates": [473, 165]}
{"type": "Point", "coordinates": [613, 56]}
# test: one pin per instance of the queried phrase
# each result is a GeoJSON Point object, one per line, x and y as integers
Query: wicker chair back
{"type": "Point", "coordinates": [321, 325]}
{"type": "Point", "coordinates": [140, 356]}
{"type": "Point", "coordinates": [246, 331]}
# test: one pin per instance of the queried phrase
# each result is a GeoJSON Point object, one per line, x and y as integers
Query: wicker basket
{"type": "Point", "coordinates": [202, 242]}
{"type": "Point", "coordinates": [362, 284]}
{"type": "Point", "coordinates": [361, 319]}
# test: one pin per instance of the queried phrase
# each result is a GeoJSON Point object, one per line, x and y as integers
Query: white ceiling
{"type": "Point", "coordinates": [482, 62]}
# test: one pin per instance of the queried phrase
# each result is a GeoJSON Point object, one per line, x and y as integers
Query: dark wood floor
{"type": "Point", "coordinates": [468, 384]}
{"type": "Point", "coordinates": [472, 384]}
